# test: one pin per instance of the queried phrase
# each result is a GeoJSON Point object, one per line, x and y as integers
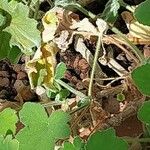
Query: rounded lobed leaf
{"type": "Point", "coordinates": [98, 141]}
{"type": "Point", "coordinates": [43, 131]}
{"type": "Point", "coordinates": [142, 13]}
{"type": "Point", "coordinates": [8, 143]}
{"type": "Point", "coordinates": [141, 78]}
{"type": "Point", "coordinates": [60, 70]}
{"type": "Point", "coordinates": [8, 120]}
{"type": "Point", "coordinates": [143, 112]}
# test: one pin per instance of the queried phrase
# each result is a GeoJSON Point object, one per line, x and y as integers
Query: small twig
{"type": "Point", "coordinates": [114, 41]}
{"type": "Point", "coordinates": [103, 79]}
{"type": "Point", "coordinates": [136, 51]}
{"type": "Point", "coordinates": [81, 115]}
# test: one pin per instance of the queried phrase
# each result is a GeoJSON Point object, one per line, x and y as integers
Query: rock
{"type": "Point", "coordinates": [14, 76]}
{"type": "Point", "coordinates": [111, 105]}
{"type": "Point", "coordinates": [4, 74]}
{"type": "Point", "coordinates": [17, 67]}
{"type": "Point", "coordinates": [4, 82]}
{"type": "Point", "coordinates": [24, 92]}
{"type": "Point", "coordinates": [21, 75]}
{"type": "Point", "coordinates": [23, 67]}
{"type": "Point", "coordinates": [5, 67]}
{"type": "Point", "coordinates": [83, 64]}
{"type": "Point", "coordinates": [26, 82]}
{"type": "Point", "coordinates": [18, 85]}
{"type": "Point", "coordinates": [3, 94]}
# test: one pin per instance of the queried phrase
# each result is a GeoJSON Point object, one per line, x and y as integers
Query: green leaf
{"type": "Point", "coordinates": [77, 145]}
{"type": "Point", "coordinates": [12, 53]}
{"type": "Point", "coordinates": [98, 141]}
{"type": "Point", "coordinates": [22, 28]}
{"type": "Point", "coordinates": [8, 6]}
{"type": "Point", "coordinates": [142, 13]}
{"type": "Point", "coordinates": [40, 131]}
{"type": "Point", "coordinates": [141, 78]}
{"type": "Point", "coordinates": [8, 120]}
{"type": "Point", "coordinates": [62, 95]}
{"type": "Point", "coordinates": [2, 19]}
{"type": "Point", "coordinates": [8, 143]}
{"type": "Point", "coordinates": [60, 70]}
{"type": "Point", "coordinates": [110, 12]}
{"type": "Point", "coordinates": [50, 94]}
{"type": "Point", "coordinates": [144, 113]}
{"type": "Point", "coordinates": [120, 97]}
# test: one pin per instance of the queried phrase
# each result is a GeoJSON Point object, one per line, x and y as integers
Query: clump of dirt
{"type": "Point", "coordinates": [14, 85]}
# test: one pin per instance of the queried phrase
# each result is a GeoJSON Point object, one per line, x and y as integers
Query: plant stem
{"type": "Point", "coordinates": [68, 87]}
{"type": "Point", "coordinates": [136, 51]}
{"type": "Point", "coordinates": [82, 9]}
{"type": "Point", "coordinates": [36, 10]}
{"type": "Point", "coordinates": [98, 47]}
{"type": "Point", "coordinates": [50, 3]}
{"type": "Point", "coordinates": [141, 140]}
{"type": "Point", "coordinates": [128, 7]}
{"type": "Point", "coordinates": [29, 2]}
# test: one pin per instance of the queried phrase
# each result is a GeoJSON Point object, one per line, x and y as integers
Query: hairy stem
{"type": "Point", "coordinates": [98, 47]}
{"type": "Point", "coordinates": [82, 9]}
{"type": "Point", "coordinates": [141, 140]}
{"type": "Point", "coordinates": [128, 7]}
{"type": "Point", "coordinates": [36, 10]}
{"type": "Point", "coordinates": [71, 89]}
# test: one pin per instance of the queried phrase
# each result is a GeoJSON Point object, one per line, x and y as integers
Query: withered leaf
{"type": "Point", "coordinates": [41, 67]}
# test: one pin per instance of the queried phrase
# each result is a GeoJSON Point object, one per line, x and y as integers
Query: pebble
{"type": "Point", "coordinates": [18, 85]}
{"type": "Point", "coordinates": [4, 74]}
{"type": "Point", "coordinates": [4, 82]}
{"type": "Point", "coordinates": [14, 76]}
{"type": "Point", "coordinates": [3, 94]}
{"type": "Point", "coordinates": [21, 75]}
{"type": "Point", "coordinates": [17, 67]}
{"type": "Point", "coordinates": [83, 64]}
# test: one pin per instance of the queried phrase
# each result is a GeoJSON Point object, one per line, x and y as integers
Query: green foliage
{"type": "Point", "coordinates": [62, 95]}
{"type": "Point", "coordinates": [77, 144]}
{"type": "Point", "coordinates": [120, 97]}
{"type": "Point", "coordinates": [144, 113]}
{"type": "Point", "coordinates": [12, 53]}
{"type": "Point", "coordinates": [40, 131]}
{"type": "Point", "coordinates": [60, 70]}
{"type": "Point", "coordinates": [98, 141]}
{"type": "Point", "coordinates": [142, 13]}
{"type": "Point", "coordinates": [141, 77]}
{"type": "Point", "coordinates": [8, 143]}
{"type": "Point", "coordinates": [2, 20]}
{"type": "Point", "coordinates": [8, 120]}
{"type": "Point", "coordinates": [22, 29]}
{"type": "Point", "coordinates": [110, 12]}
